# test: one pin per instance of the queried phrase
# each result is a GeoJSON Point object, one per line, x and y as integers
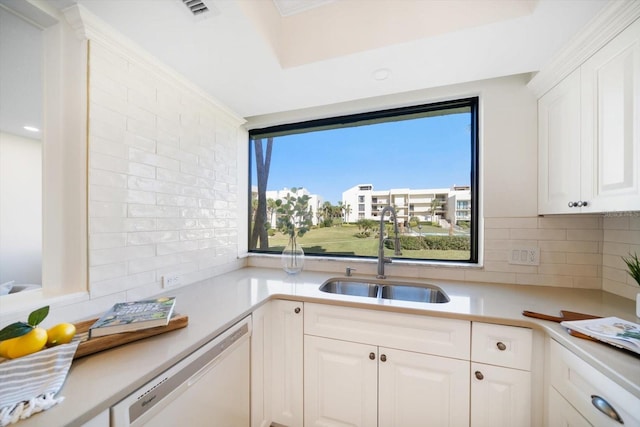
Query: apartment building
{"type": "Point", "coordinates": [432, 204]}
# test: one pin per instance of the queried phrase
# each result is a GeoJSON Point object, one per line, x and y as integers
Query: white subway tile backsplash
{"type": "Point", "coordinates": [159, 198]}
{"type": "Point", "coordinates": [150, 237]}
{"type": "Point", "coordinates": [108, 209]}
{"type": "Point", "coordinates": [134, 140]}
{"type": "Point", "coordinates": [151, 211]}
{"type": "Point", "coordinates": [108, 179]}
{"type": "Point", "coordinates": [113, 255]}
{"type": "Point", "coordinates": [154, 263]}
{"type": "Point", "coordinates": [107, 240]}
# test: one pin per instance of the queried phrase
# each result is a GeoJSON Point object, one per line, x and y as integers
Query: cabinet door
{"type": "Point", "coordinates": [559, 147]}
{"type": "Point", "coordinates": [340, 383]}
{"type": "Point", "coordinates": [562, 414]}
{"type": "Point", "coordinates": [261, 367]}
{"type": "Point", "coordinates": [500, 396]}
{"type": "Point", "coordinates": [611, 125]}
{"type": "Point", "coordinates": [287, 362]}
{"type": "Point", "coordinates": [417, 390]}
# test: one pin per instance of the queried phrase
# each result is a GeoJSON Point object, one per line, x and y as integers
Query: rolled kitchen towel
{"type": "Point", "coordinates": [30, 383]}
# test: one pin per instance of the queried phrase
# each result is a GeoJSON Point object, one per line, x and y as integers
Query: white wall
{"type": "Point", "coordinates": [20, 209]}
{"type": "Point", "coordinates": [163, 188]}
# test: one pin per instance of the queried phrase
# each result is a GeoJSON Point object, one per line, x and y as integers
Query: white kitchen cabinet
{"type": "Point", "coordinates": [371, 368]}
{"type": "Point", "coordinates": [419, 389]}
{"type": "Point", "coordinates": [341, 383]}
{"type": "Point", "coordinates": [559, 146]}
{"type": "Point", "coordinates": [100, 420]}
{"type": "Point", "coordinates": [611, 125]}
{"type": "Point", "coordinates": [500, 396]}
{"type": "Point", "coordinates": [501, 387]}
{"type": "Point", "coordinates": [589, 133]}
{"type": "Point", "coordinates": [287, 362]}
{"type": "Point", "coordinates": [261, 367]}
{"type": "Point", "coordinates": [562, 414]}
{"type": "Point", "coordinates": [594, 396]}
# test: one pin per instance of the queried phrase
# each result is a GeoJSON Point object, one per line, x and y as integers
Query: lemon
{"type": "Point", "coordinates": [28, 343]}
{"type": "Point", "coordinates": [61, 333]}
{"type": "Point", "coordinates": [5, 346]}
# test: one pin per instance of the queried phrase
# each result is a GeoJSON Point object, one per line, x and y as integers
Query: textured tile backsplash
{"type": "Point", "coordinates": [162, 178]}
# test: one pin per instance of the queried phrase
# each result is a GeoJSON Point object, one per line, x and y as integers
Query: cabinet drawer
{"type": "Point", "coordinates": [578, 382]}
{"type": "Point", "coordinates": [500, 345]}
{"type": "Point", "coordinates": [430, 335]}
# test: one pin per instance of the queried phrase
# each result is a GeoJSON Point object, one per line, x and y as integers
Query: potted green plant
{"type": "Point", "coordinates": [294, 219]}
{"type": "Point", "coordinates": [633, 268]}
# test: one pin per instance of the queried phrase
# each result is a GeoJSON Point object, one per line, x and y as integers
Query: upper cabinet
{"type": "Point", "coordinates": [611, 125]}
{"type": "Point", "coordinates": [589, 132]}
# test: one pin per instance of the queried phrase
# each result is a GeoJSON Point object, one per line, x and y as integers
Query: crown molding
{"type": "Point", "coordinates": [89, 27]}
{"type": "Point", "coordinates": [613, 19]}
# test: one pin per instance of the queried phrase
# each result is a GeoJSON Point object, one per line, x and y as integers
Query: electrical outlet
{"type": "Point", "coordinates": [171, 280]}
{"type": "Point", "coordinates": [525, 256]}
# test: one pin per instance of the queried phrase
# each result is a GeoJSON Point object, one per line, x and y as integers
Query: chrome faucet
{"type": "Point", "coordinates": [381, 258]}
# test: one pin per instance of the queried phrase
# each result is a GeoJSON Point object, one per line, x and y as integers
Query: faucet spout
{"type": "Point", "coordinates": [381, 258]}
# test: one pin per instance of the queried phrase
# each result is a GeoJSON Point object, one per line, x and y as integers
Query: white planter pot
{"type": "Point", "coordinates": [638, 305]}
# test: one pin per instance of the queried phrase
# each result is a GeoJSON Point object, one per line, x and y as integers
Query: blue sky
{"type": "Point", "coordinates": [430, 152]}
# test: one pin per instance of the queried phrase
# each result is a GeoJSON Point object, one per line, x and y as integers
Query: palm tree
{"type": "Point", "coordinates": [272, 207]}
{"type": "Point", "coordinates": [435, 205]}
{"type": "Point", "coordinates": [347, 211]}
{"type": "Point", "coordinates": [263, 162]}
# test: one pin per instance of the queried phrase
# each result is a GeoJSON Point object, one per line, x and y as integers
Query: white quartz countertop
{"type": "Point", "coordinates": [99, 381]}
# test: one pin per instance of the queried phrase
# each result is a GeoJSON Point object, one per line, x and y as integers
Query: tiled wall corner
{"type": "Point", "coordinates": [570, 251]}
{"type": "Point", "coordinates": [621, 237]}
{"type": "Point", "coordinates": [163, 194]}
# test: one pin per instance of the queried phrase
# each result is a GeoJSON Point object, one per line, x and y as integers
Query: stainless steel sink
{"type": "Point", "coordinates": [385, 289]}
{"type": "Point", "coordinates": [359, 289]}
{"type": "Point", "coordinates": [414, 293]}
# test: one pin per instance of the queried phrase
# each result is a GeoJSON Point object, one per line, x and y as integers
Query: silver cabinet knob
{"type": "Point", "coordinates": [479, 375]}
{"type": "Point", "coordinates": [571, 204]}
{"type": "Point", "coordinates": [606, 408]}
{"type": "Point", "coordinates": [501, 346]}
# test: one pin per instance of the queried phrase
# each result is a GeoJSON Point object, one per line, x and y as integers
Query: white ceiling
{"type": "Point", "coordinates": [258, 58]}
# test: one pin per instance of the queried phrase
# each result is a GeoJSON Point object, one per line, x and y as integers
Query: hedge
{"type": "Point", "coordinates": [441, 243]}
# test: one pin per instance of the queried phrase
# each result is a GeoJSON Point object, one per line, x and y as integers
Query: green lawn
{"type": "Point", "coordinates": [341, 240]}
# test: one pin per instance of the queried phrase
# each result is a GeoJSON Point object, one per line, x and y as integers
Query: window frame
{"type": "Point", "coordinates": [346, 120]}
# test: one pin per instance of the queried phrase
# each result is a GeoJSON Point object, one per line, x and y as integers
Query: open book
{"type": "Point", "coordinates": [612, 330]}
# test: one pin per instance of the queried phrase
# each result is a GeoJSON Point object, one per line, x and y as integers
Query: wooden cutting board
{"type": "Point", "coordinates": [565, 315]}
{"type": "Point", "coordinates": [89, 346]}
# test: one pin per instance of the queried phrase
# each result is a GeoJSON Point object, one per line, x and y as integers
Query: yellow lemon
{"type": "Point", "coordinates": [61, 333]}
{"type": "Point", "coordinates": [5, 346]}
{"type": "Point", "coordinates": [26, 344]}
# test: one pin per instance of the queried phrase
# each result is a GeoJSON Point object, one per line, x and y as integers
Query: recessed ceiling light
{"type": "Point", "coordinates": [381, 74]}
{"type": "Point", "coordinates": [31, 128]}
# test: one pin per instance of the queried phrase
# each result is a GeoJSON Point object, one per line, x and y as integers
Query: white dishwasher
{"type": "Point", "coordinates": [210, 387]}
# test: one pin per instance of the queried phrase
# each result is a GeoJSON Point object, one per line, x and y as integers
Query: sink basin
{"type": "Point", "coordinates": [386, 290]}
{"type": "Point", "coordinates": [359, 289]}
{"type": "Point", "coordinates": [414, 293]}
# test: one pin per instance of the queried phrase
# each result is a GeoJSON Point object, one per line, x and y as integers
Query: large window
{"type": "Point", "coordinates": [327, 182]}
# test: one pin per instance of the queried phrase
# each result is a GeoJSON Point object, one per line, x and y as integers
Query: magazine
{"type": "Point", "coordinates": [133, 316]}
{"type": "Point", "coordinates": [612, 330]}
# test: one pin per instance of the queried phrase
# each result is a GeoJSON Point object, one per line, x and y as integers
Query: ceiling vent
{"type": "Point", "coordinates": [197, 7]}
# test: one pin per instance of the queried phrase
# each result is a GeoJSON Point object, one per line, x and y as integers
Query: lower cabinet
{"type": "Point", "coordinates": [594, 397]}
{"type": "Point", "coordinates": [372, 368]}
{"type": "Point", "coordinates": [501, 386]}
{"type": "Point", "coordinates": [364, 385]}
{"type": "Point", "coordinates": [562, 414]}
{"type": "Point", "coordinates": [500, 396]}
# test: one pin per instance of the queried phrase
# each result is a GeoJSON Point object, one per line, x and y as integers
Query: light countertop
{"type": "Point", "coordinates": [99, 381]}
